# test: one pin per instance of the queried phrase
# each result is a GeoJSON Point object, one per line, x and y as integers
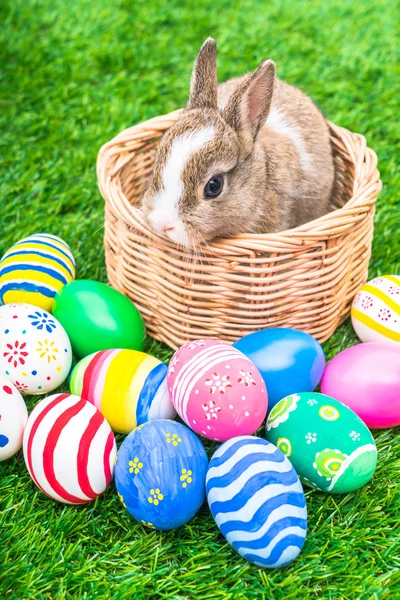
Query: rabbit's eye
{"type": "Point", "coordinates": [214, 187]}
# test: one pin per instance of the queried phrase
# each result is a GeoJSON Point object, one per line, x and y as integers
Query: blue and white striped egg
{"type": "Point", "coordinates": [257, 501]}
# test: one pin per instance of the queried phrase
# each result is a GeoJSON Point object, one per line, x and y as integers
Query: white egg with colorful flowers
{"type": "Point", "coordinates": [35, 352]}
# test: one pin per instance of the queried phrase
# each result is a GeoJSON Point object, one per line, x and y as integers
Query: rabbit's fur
{"type": "Point", "coordinates": [267, 140]}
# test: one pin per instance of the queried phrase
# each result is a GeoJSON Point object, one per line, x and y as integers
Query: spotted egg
{"type": "Point", "coordinates": [217, 390]}
{"type": "Point", "coordinates": [35, 352]}
{"type": "Point", "coordinates": [327, 443]}
{"type": "Point", "coordinates": [375, 312]}
{"type": "Point", "coordinates": [13, 418]}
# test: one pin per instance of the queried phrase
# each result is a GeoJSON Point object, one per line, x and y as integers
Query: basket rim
{"type": "Point", "coordinates": [333, 224]}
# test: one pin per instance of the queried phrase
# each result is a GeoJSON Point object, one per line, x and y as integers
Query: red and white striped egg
{"type": "Point", "coordinates": [217, 390]}
{"type": "Point", "coordinates": [69, 449]}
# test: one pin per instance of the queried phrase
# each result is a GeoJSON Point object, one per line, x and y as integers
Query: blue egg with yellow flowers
{"type": "Point", "coordinates": [160, 474]}
{"type": "Point", "coordinates": [290, 361]}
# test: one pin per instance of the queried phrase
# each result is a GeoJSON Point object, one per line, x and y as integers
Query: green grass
{"type": "Point", "coordinates": [73, 74]}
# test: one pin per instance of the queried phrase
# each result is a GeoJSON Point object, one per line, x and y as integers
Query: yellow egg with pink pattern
{"type": "Point", "coordinates": [375, 313]}
{"type": "Point", "coordinates": [217, 390]}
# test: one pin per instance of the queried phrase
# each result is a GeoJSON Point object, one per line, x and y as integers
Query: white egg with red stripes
{"type": "Point", "coordinates": [69, 449]}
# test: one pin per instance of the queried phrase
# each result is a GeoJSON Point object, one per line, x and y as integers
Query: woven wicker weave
{"type": "Point", "coordinates": [304, 278]}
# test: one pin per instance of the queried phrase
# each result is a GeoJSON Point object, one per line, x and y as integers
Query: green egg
{"type": "Point", "coordinates": [97, 317]}
{"type": "Point", "coordinates": [329, 446]}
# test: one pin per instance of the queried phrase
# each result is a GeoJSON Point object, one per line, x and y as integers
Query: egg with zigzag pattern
{"type": "Point", "coordinates": [257, 501]}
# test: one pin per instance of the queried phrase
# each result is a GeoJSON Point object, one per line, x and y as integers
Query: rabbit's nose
{"type": "Point", "coordinates": [165, 223]}
{"type": "Point", "coordinates": [162, 221]}
{"type": "Point", "coordinates": [167, 227]}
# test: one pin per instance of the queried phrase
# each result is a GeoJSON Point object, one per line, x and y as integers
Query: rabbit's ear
{"type": "Point", "coordinates": [204, 84]}
{"type": "Point", "coordinates": [249, 106]}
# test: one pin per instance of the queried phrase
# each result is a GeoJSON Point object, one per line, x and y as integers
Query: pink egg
{"type": "Point", "coordinates": [366, 378]}
{"type": "Point", "coordinates": [217, 390]}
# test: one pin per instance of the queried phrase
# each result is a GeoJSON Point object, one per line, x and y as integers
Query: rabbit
{"type": "Point", "coordinates": [252, 155]}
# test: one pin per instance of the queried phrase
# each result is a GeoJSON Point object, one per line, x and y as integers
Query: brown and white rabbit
{"type": "Point", "coordinates": [252, 155]}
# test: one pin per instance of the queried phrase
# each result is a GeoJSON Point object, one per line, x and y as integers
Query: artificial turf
{"type": "Point", "coordinates": [72, 75]}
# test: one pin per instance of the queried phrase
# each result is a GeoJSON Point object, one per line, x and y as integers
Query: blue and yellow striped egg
{"type": "Point", "coordinates": [375, 313]}
{"type": "Point", "coordinates": [160, 474]}
{"type": "Point", "coordinates": [257, 501]}
{"type": "Point", "coordinates": [127, 386]}
{"type": "Point", "coordinates": [34, 269]}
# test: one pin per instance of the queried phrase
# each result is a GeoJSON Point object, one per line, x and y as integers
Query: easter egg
{"type": "Point", "coordinates": [127, 386]}
{"type": "Point", "coordinates": [34, 269]}
{"type": "Point", "coordinates": [13, 418]}
{"type": "Point", "coordinates": [69, 449]}
{"type": "Point", "coordinates": [375, 312]}
{"type": "Point", "coordinates": [288, 359]}
{"type": "Point", "coordinates": [327, 443]}
{"type": "Point", "coordinates": [216, 389]}
{"type": "Point", "coordinates": [257, 501]}
{"type": "Point", "coordinates": [35, 352]}
{"type": "Point", "coordinates": [97, 317]}
{"type": "Point", "coordinates": [160, 474]}
{"type": "Point", "coordinates": [366, 377]}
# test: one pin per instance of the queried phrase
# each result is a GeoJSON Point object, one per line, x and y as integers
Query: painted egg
{"type": "Point", "coordinates": [288, 359]}
{"type": "Point", "coordinates": [375, 313]}
{"type": "Point", "coordinates": [35, 352]}
{"type": "Point", "coordinates": [34, 269]}
{"type": "Point", "coordinates": [327, 443]}
{"type": "Point", "coordinates": [366, 377]}
{"type": "Point", "coordinates": [257, 501]}
{"type": "Point", "coordinates": [216, 390]}
{"type": "Point", "coordinates": [128, 387]}
{"type": "Point", "coordinates": [69, 449]}
{"type": "Point", "coordinates": [97, 317]}
{"type": "Point", "coordinates": [160, 474]}
{"type": "Point", "coordinates": [13, 418]}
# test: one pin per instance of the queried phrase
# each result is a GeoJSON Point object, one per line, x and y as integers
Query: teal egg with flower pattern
{"type": "Point", "coordinates": [160, 474]}
{"type": "Point", "coordinates": [329, 446]}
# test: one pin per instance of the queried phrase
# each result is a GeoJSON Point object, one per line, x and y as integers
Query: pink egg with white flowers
{"type": "Point", "coordinates": [217, 390]}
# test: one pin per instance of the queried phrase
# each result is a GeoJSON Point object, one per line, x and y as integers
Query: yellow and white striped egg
{"type": "Point", "coordinates": [375, 313]}
{"type": "Point", "coordinates": [34, 269]}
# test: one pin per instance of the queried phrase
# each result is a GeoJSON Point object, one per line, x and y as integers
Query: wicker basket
{"type": "Point", "coordinates": [304, 278]}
